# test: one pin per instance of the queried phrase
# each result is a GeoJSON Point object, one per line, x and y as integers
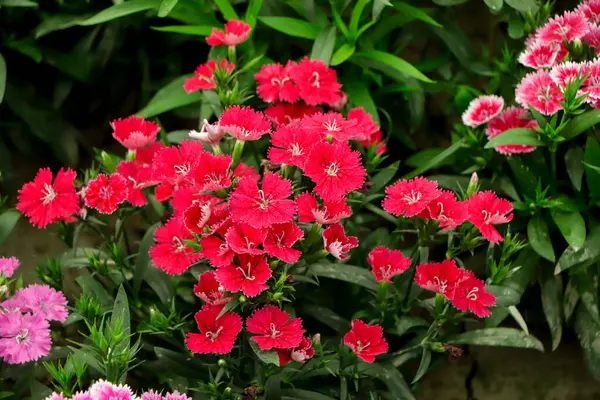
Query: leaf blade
{"type": "Point", "coordinates": [292, 27]}
{"type": "Point", "coordinates": [503, 337]}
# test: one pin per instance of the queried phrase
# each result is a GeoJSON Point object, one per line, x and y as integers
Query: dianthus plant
{"type": "Point", "coordinates": [281, 257]}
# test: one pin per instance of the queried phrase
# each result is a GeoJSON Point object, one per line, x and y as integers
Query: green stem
{"type": "Point", "coordinates": [231, 54]}
{"type": "Point", "coordinates": [236, 155]}
{"type": "Point", "coordinates": [413, 272]}
{"type": "Point", "coordinates": [553, 165]}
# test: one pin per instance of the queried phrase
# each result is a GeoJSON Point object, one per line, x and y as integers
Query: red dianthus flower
{"type": "Point", "coordinates": [366, 340]}
{"type": "Point", "coordinates": [410, 197]}
{"type": "Point", "coordinates": [105, 193]}
{"type": "Point", "coordinates": [274, 329]}
{"type": "Point", "coordinates": [170, 253]}
{"type": "Point", "coordinates": [330, 213]}
{"type": "Point", "coordinates": [248, 277]}
{"type": "Point", "coordinates": [280, 239]}
{"type": "Point", "coordinates": [470, 295]}
{"type": "Point", "coordinates": [291, 145]}
{"type": "Point", "coordinates": [134, 132]}
{"type": "Point", "coordinates": [387, 263]}
{"type": "Point", "coordinates": [236, 32]}
{"type": "Point", "coordinates": [274, 83]}
{"type": "Point", "coordinates": [439, 277]}
{"type": "Point", "coordinates": [317, 83]}
{"type": "Point", "coordinates": [243, 123]}
{"type": "Point", "coordinates": [486, 210]}
{"type": "Point", "coordinates": [217, 334]}
{"type": "Point", "coordinates": [304, 351]}
{"type": "Point", "coordinates": [209, 290]}
{"type": "Point", "coordinates": [337, 243]}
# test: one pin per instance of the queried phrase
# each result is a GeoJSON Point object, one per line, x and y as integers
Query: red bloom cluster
{"type": "Point", "coordinates": [422, 198]}
{"type": "Point", "coordinates": [458, 285]}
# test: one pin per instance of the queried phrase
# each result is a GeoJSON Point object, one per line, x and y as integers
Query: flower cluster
{"type": "Point", "coordinates": [422, 198]}
{"type": "Point", "coordinates": [25, 318]}
{"type": "Point", "coordinates": [458, 285]}
{"type": "Point", "coordinates": [104, 390]}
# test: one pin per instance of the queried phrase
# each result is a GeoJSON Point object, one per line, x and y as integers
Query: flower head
{"type": "Point", "coordinates": [410, 197]}
{"type": "Point", "coordinates": [387, 263]}
{"type": "Point", "coordinates": [486, 210]}
{"type": "Point", "coordinates": [105, 193]}
{"type": "Point", "coordinates": [365, 126]}
{"type": "Point", "coordinates": [470, 295]}
{"type": "Point", "coordinates": [212, 172]}
{"type": "Point", "coordinates": [317, 83]}
{"type": "Point", "coordinates": [170, 253]}
{"type": "Point", "coordinates": [136, 180]}
{"type": "Point", "coordinates": [274, 329]}
{"type": "Point", "coordinates": [330, 213]}
{"type": "Point", "coordinates": [274, 83]}
{"type": "Point", "coordinates": [446, 210]}
{"type": "Point", "coordinates": [210, 133]}
{"type": "Point", "coordinates": [567, 27]}
{"type": "Point", "coordinates": [366, 340]}
{"type": "Point", "coordinates": [376, 140]}
{"type": "Point", "coordinates": [217, 334]}
{"type": "Point", "coordinates": [245, 239]}
{"type": "Point", "coordinates": [8, 266]}
{"type": "Point", "coordinates": [337, 243]}
{"type": "Point", "coordinates": [565, 73]}
{"type": "Point", "coordinates": [280, 239]}
{"type": "Point", "coordinates": [85, 395]}
{"type": "Point", "coordinates": [512, 117]}
{"type": "Point", "coordinates": [592, 38]}
{"type": "Point", "coordinates": [291, 145]}
{"type": "Point", "coordinates": [304, 351]}
{"type": "Point", "coordinates": [173, 167]}
{"type": "Point", "coordinates": [285, 113]}
{"type": "Point", "coordinates": [336, 170]}
{"type": "Point", "coordinates": [263, 207]}
{"type": "Point", "coordinates": [538, 90]}
{"type": "Point", "coordinates": [104, 390]}
{"type": "Point", "coordinates": [216, 251]}
{"type": "Point", "coordinates": [540, 55]}
{"type": "Point", "coordinates": [209, 290]}
{"type": "Point", "coordinates": [249, 277]}
{"type": "Point", "coordinates": [330, 125]}
{"type": "Point", "coordinates": [43, 300]}
{"type": "Point", "coordinates": [198, 215]}
{"type": "Point", "coordinates": [439, 277]}
{"type": "Point", "coordinates": [243, 123]}
{"type": "Point", "coordinates": [56, 396]}
{"type": "Point", "coordinates": [207, 75]}
{"type": "Point", "coordinates": [23, 337]}
{"type": "Point", "coordinates": [45, 202]}
{"type": "Point", "coordinates": [134, 132]}
{"type": "Point", "coordinates": [236, 32]}
{"type": "Point", "coordinates": [482, 109]}
{"type": "Point", "coordinates": [591, 10]}
{"type": "Point", "coordinates": [591, 85]}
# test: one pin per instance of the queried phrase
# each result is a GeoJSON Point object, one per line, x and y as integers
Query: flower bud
{"type": "Point", "coordinates": [317, 338]}
{"type": "Point", "coordinates": [242, 299]}
{"type": "Point", "coordinates": [211, 134]}
{"type": "Point", "coordinates": [222, 363]}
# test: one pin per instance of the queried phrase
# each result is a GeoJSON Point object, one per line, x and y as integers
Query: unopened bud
{"type": "Point", "coordinates": [242, 299]}
{"type": "Point", "coordinates": [222, 363]}
{"type": "Point", "coordinates": [227, 390]}
{"type": "Point", "coordinates": [317, 338]}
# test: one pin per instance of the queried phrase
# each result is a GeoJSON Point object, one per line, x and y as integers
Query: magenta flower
{"type": "Point", "coordinates": [43, 300]}
{"type": "Point", "coordinates": [8, 266]}
{"type": "Point", "coordinates": [24, 337]}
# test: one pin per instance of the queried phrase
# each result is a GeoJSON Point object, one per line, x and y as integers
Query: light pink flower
{"type": "Point", "coordinates": [8, 266]}
{"type": "Point", "coordinates": [82, 396]}
{"type": "Point", "coordinates": [565, 73]}
{"type": "Point", "coordinates": [104, 390]}
{"type": "Point", "coordinates": [538, 90]}
{"type": "Point", "coordinates": [482, 109]}
{"type": "Point", "coordinates": [592, 38]}
{"type": "Point", "coordinates": [591, 10]}
{"type": "Point", "coordinates": [567, 27]}
{"type": "Point", "coordinates": [24, 337]}
{"type": "Point", "coordinates": [539, 56]}
{"type": "Point", "coordinates": [512, 117]}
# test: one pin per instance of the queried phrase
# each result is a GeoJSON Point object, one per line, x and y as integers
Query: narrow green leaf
{"type": "Point", "coordinates": [252, 12]}
{"type": "Point", "coordinates": [166, 7]}
{"type": "Point", "coordinates": [500, 337]}
{"type": "Point", "coordinates": [423, 366]}
{"type": "Point", "coordinates": [494, 5]}
{"type": "Point", "coordinates": [449, 3]}
{"type": "Point", "coordinates": [301, 394]}
{"type": "Point", "coordinates": [405, 323]}
{"type": "Point", "coordinates": [572, 227]}
{"type": "Point", "coordinates": [181, 364]}
{"type": "Point", "coordinates": [292, 26]}
{"type": "Point", "coordinates": [378, 6]}
{"type": "Point", "coordinates": [2, 77]}
{"type": "Point", "coordinates": [170, 97]}
{"type": "Point", "coordinates": [521, 136]}
{"type": "Point", "coordinates": [342, 54]}
{"type": "Point", "coordinates": [571, 299]}
{"type": "Point", "coordinates": [516, 314]}
{"type": "Point", "coordinates": [161, 283]}
{"type": "Point", "coordinates": [8, 220]}
{"type": "Point", "coordinates": [357, 11]}
{"type": "Point", "coordinates": [142, 261]}
{"type": "Point", "coordinates": [268, 357]}
{"type": "Point", "coordinates": [18, 3]}
{"type": "Point", "coordinates": [323, 46]}
{"type": "Point", "coordinates": [539, 238]}
{"type": "Point", "coordinates": [326, 316]}
{"type": "Point", "coordinates": [394, 62]}
{"type": "Point", "coordinates": [524, 177]}
{"type": "Point", "coordinates": [121, 10]}
{"type": "Point", "coordinates": [93, 288]}
{"type": "Point", "coordinates": [505, 296]}
{"type": "Point", "coordinates": [574, 159]}
{"type": "Point", "coordinates": [435, 161]}
{"type": "Point", "coordinates": [417, 13]}
{"type": "Point", "coordinates": [588, 252]}
{"type": "Point", "coordinates": [194, 30]}
{"type": "Point", "coordinates": [588, 332]}
{"type": "Point", "coordinates": [121, 312]}
{"type": "Point", "coordinates": [384, 176]}
{"type": "Point", "coordinates": [58, 22]}
{"type": "Point", "coordinates": [226, 9]}
{"type": "Point", "coordinates": [592, 166]}
{"type": "Point", "coordinates": [552, 304]}
{"type": "Point", "coordinates": [346, 273]}
{"type": "Point", "coordinates": [524, 6]}
{"type": "Point", "coordinates": [392, 378]}
{"type": "Point", "coordinates": [580, 124]}
{"type": "Point", "coordinates": [460, 45]}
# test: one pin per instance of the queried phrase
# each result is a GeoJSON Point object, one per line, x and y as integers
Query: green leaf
{"type": "Point", "coordinates": [396, 63]}
{"type": "Point", "coordinates": [26, 47]}
{"type": "Point", "coordinates": [588, 252]}
{"type": "Point", "coordinates": [505, 296]}
{"type": "Point", "coordinates": [292, 26]}
{"type": "Point", "coordinates": [384, 176]}
{"type": "Point", "coordinates": [539, 238]}
{"type": "Point", "coordinates": [592, 166]}
{"type": "Point", "coordinates": [323, 46]}
{"type": "Point", "coordinates": [460, 45]}
{"type": "Point", "coordinates": [360, 96]}
{"type": "Point", "coordinates": [572, 227]}
{"type": "Point", "coordinates": [423, 366]}
{"type": "Point", "coordinates": [166, 6]}
{"type": "Point", "coordinates": [142, 261]}
{"type": "Point", "coordinates": [180, 364]}
{"type": "Point", "coordinates": [516, 314]}
{"type": "Point", "coordinates": [516, 27]}
{"type": "Point", "coordinates": [357, 11]}
{"type": "Point", "coordinates": [170, 97]}
{"type": "Point", "coordinates": [435, 161]}
{"type": "Point", "coordinates": [588, 332]}
{"type": "Point", "coordinates": [524, 6]}
{"type": "Point", "coordinates": [574, 161]}
{"type": "Point", "coordinates": [417, 13]}
{"type": "Point", "coordinates": [226, 9]}
{"type": "Point", "coordinates": [194, 30]}
{"type": "Point", "coordinates": [392, 378]}
{"type": "Point", "coordinates": [58, 22]}
{"type": "Point", "coordinates": [405, 323]}
{"type": "Point", "coordinates": [8, 220]}
{"type": "Point", "coordinates": [521, 136]}
{"type": "Point", "coordinates": [252, 12]}
{"type": "Point", "coordinates": [449, 3]}
{"type": "Point", "coordinates": [342, 54]}
{"type": "Point", "coordinates": [494, 5]}
{"type": "Point", "coordinates": [500, 337]}
{"type": "Point", "coordinates": [552, 304]}
{"type": "Point", "coordinates": [18, 3]}
{"type": "Point", "coordinates": [525, 179]}
{"type": "Point", "coordinates": [301, 394]}
{"type": "Point", "coordinates": [347, 273]}
{"type": "Point", "coordinates": [580, 124]}
{"type": "Point", "coordinates": [93, 288]}
{"type": "Point", "coordinates": [571, 299]}
{"type": "Point", "coordinates": [2, 77]}
{"type": "Point", "coordinates": [160, 282]}
{"type": "Point", "coordinates": [268, 357]}
{"type": "Point", "coordinates": [326, 316]}
{"type": "Point", "coordinates": [121, 312]}
{"type": "Point", "coordinates": [121, 10]}
{"type": "Point", "coordinates": [378, 6]}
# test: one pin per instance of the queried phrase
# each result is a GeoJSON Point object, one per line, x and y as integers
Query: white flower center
{"type": "Point", "coordinates": [274, 332]}
{"type": "Point", "coordinates": [49, 194]}
{"type": "Point", "coordinates": [213, 335]}
{"type": "Point", "coordinates": [332, 169]}
{"type": "Point", "coordinates": [315, 80]}
{"type": "Point", "coordinates": [22, 336]}
{"type": "Point", "coordinates": [332, 126]}
{"type": "Point", "coordinates": [247, 275]}
{"type": "Point", "coordinates": [413, 197]}
{"type": "Point", "coordinates": [472, 295]}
